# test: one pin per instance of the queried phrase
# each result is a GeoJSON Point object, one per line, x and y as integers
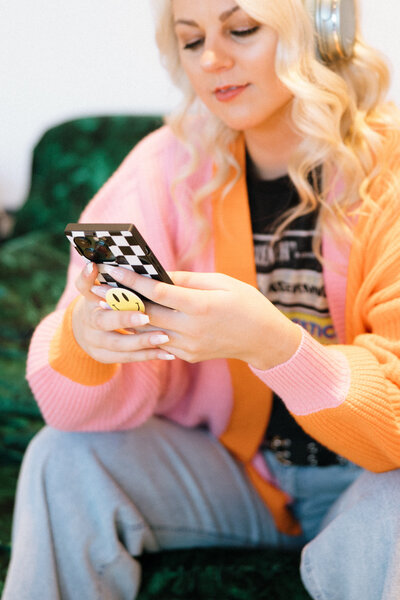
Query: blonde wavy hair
{"type": "Point", "coordinates": [346, 126]}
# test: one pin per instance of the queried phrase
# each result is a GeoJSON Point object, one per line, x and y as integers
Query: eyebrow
{"type": "Point", "coordinates": [222, 17]}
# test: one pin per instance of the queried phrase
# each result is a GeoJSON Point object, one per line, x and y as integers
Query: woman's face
{"type": "Point", "coordinates": [229, 59]}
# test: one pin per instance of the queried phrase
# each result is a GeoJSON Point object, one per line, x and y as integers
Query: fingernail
{"type": "Point", "coordinates": [115, 272]}
{"type": "Point", "coordinates": [140, 319]}
{"type": "Point", "coordinates": [159, 339]}
{"type": "Point", "coordinates": [99, 291]}
{"type": "Point", "coordinates": [165, 356]}
{"type": "Point", "coordinates": [105, 305]}
{"type": "Point", "coordinates": [89, 269]}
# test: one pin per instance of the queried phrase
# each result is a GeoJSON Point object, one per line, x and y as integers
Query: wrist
{"type": "Point", "coordinates": [276, 348]}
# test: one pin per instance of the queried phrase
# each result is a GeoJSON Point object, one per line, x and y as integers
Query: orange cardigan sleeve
{"type": "Point", "coordinates": [362, 422]}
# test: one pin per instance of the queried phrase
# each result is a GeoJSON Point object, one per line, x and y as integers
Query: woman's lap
{"type": "Point", "coordinates": [105, 497]}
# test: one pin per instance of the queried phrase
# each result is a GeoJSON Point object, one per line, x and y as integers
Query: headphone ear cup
{"type": "Point", "coordinates": [347, 26]}
{"type": "Point", "coordinates": [335, 26]}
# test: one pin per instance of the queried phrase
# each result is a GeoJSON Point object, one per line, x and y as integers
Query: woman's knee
{"type": "Point", "coordinates": [386, 486]}
{"type": "Point", "coordinates": [356, 553]}
{"type": "Point", "coordinates": [59, 455]}
{"type": "Point", "coordinates": [377, 493]}
{"type": "Point", "coordinates": [48, 444]}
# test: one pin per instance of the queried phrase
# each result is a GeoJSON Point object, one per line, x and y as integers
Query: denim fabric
{"type": "Point", "coordinates": [356, 555]}
{"type": "Point", "coordinates": [313, 489]}
{"type": "Point", "coordinates": [88, 503]}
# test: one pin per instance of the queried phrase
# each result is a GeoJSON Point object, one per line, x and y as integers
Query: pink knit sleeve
{"type": "Point", "coordinates": [74, 391]}
{"type": "Point", "coordinates": [125, 398]}
{"type": "Point", "coordinates": [316, 377]}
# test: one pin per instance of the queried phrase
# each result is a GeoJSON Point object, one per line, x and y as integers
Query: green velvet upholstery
{"type": "Point", "coordinates": [70, 163]}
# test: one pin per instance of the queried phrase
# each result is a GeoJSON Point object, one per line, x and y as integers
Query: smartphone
{"type": "Point", "coordinates": [117, 245]}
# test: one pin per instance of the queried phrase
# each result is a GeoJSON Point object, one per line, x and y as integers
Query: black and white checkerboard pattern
{"type": "Point", "coordinates": [128, 254]}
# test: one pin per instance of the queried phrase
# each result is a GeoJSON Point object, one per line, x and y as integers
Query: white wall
{"type": "Point", "coordinates": [60, 60]}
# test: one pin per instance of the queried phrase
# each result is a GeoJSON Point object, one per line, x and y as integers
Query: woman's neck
{"type": "Point", "coordinates": [271, 149]}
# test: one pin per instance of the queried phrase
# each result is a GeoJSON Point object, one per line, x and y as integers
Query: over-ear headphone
{"type": "Point", "coordinates": [335, 26]}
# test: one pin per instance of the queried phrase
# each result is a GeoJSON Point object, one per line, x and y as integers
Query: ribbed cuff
{"type": "Point", "coordinates": [316, 377]}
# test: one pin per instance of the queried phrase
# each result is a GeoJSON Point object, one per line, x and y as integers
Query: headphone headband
{"type": "Point", "coordinates": [335, 26]}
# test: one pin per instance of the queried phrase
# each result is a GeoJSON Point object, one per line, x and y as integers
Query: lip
{"type": "Point", "coordinates": [229, 92]}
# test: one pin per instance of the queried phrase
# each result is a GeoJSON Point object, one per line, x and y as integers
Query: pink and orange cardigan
{"type": "Point", "coordinates": [347, 396]}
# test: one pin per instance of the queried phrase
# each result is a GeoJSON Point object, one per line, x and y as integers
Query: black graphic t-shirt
{"type": "Point", "coordinates": [290, 276]}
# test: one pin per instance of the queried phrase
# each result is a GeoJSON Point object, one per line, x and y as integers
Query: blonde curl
{"type": "Point", "coordinates": [348, 130]}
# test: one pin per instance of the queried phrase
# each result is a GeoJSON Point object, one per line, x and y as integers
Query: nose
{"type": "Point", "coordinates": [213, 60]}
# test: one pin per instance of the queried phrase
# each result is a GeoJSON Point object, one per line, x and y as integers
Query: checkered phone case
{"type": "Point", "coordinates": [115, 244]}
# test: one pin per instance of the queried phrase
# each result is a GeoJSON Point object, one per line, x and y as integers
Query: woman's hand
{"type": "Point", "coordinates": [95, 328]}
{"type": "Point", "coordinates": [210, 315]}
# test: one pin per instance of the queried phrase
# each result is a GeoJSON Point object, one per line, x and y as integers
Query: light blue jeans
{"type": "Point", "coordinates": [87, 504]}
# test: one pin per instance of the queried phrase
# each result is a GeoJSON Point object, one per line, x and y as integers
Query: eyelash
{"type": "Point", "coordinates": [238, 33]}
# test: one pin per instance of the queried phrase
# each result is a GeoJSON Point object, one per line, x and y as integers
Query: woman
{"type": "Point", "coordinates": [258, 402]}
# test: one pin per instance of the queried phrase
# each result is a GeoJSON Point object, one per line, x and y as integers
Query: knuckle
{"type": "Point", "coordinates": [97, 318]}
{"type": "Point", "coordinates": [160, 292]}
{"type": "Point", "coordinates": [202, 309]}
{"type": "Point", "coordinates": [192, 347]}
{"type": "Point", "coordinates": [188, 352]}
{"type": "Point", "coordinates": [190, 358]}
{"type": "Point", "coordinates": [94, 319]}
{"type": "Point", "coordinates": [114, 344]}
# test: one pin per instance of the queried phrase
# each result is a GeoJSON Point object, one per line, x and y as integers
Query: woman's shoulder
{"type": "Point", "coordinates": [159, 143]}
{"type": "Point", "coordinates": [377, 214]}
{"type": "Point", "coordinates": [149, 169]}
{"type": "Point", "coordinates": [381, 186]}
{"type": "Point", "coordinates": [165, 156]}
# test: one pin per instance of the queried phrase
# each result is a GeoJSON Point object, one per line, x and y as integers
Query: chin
{"type": "Point", "coordinates": [241, 124]}
{"type": "Point", "coordinates": [242, 121]}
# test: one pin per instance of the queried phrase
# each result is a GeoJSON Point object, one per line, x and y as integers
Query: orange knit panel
{"type": "Point", "coordinates": [252, 400]}
{"type": "Point", "coordinates": [365, 427]}
{"type": "Point", "coordinates": [234, 256]}
{"type": "Point", "coordinates": [357, 447]}
{"type": "Point", "coordinates": [277, 501]}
